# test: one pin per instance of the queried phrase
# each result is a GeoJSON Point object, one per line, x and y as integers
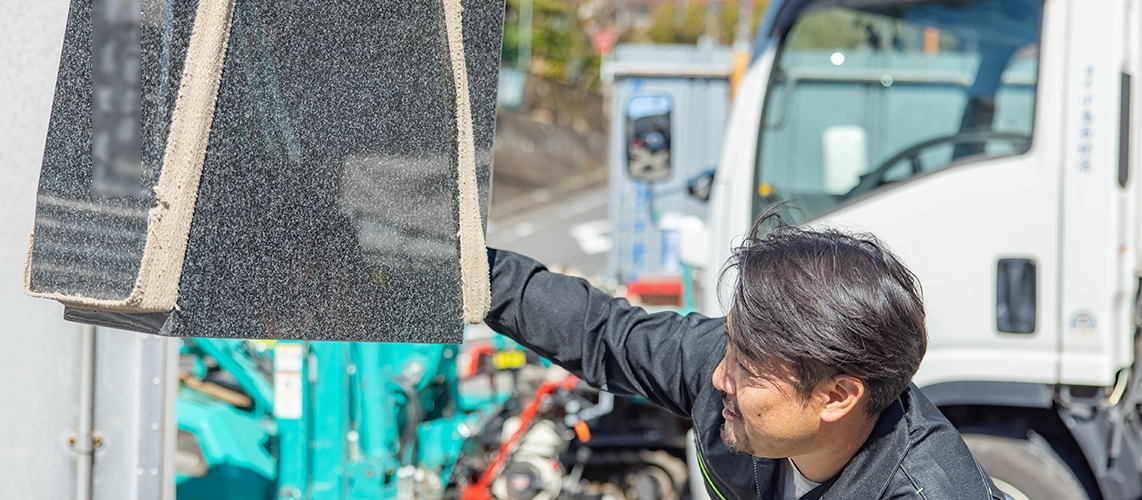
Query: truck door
{"type": "Point", "coordinates": [1096, 278]}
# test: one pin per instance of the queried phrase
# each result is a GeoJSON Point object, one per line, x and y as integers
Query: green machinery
{"type": "Point", "coordinates": [293, 420]}
{"type": "Point", "coordinates": [322, 420]}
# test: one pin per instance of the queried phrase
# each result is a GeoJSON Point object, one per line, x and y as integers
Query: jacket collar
{"type": "Point", "coordinates": [874, 464]}
{"type": "Point", "coordinates": [870, 469]}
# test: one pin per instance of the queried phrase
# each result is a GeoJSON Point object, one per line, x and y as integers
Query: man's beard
{"type": "Point", "coordinates": [736, 444]}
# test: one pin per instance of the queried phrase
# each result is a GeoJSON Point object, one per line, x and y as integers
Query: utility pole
{"type": "Point", "coordinates": [741, 31]}
{"type": "Point", "coordinates": [713, 18]}
{"type": "Point", "coordinates": [741, 44]}
{"type": "Point", "coordinates": [523, 58]}
{"type": "Point", "coordinates": [681, 8]}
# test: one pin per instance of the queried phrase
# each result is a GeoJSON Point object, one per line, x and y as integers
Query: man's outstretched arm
{"type": "Point", "coordinates": [665, 357]}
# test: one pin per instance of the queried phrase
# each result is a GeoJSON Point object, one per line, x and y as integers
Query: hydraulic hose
{"type": "Point", "coordinates": [413, 414]}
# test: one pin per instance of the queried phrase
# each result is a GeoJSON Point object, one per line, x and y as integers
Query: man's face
{"type": "Point", "coordinates": [764, 415]}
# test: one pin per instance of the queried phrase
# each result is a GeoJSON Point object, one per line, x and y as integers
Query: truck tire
{"type": "Point", "coordinates": [1025, 468]}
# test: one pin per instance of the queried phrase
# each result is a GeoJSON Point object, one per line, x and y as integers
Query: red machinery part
{"type": "Point", "coordinates": [479, 490]}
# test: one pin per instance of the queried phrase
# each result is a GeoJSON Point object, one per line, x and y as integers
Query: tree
{"type": "Point", "coordinates": [667, 26]}
{"type": "Point", "coordinates": [560, 48]}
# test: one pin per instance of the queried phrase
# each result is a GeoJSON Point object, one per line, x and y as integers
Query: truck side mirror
{"type": "Point", "coordinates": [700, 186]}
{"type": "Point", "coordinates": [648, 137]}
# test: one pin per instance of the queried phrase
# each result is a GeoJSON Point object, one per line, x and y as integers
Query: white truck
{"type": "Point", "coordinates": [995, 146]}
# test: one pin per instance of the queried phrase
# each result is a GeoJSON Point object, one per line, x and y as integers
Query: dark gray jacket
{"type": "Point", "coordinates": [913, 453]}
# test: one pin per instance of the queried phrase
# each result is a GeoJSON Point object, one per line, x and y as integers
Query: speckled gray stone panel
{"type": "Point", "coordinates": [90, 242]}
{"type": "Point", "coordinates": [327, 205]}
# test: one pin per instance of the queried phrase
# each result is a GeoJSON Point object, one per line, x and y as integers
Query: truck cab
{"type": "Point", "coordinates": [990, 144]}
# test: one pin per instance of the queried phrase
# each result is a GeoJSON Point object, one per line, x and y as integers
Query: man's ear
{"type": "Point", "coordinates": [844, 394]}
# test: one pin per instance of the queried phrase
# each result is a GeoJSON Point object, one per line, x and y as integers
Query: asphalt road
{"type": "Point", "coordinates": [560, 230]}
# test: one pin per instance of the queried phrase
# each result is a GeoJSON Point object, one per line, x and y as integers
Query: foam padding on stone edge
{"type": "Point", "coordinates": [474, 270]}
{"type": "Point", "coordinates": [156, 287]}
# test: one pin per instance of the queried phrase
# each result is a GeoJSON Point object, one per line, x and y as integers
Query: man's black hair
{"type": "Point", "coordinates": [827, 303]}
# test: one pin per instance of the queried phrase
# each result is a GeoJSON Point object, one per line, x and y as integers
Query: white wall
{"type": "Point", "coordinates": [39, 351]}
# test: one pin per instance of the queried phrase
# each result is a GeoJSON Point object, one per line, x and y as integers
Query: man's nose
{"type": "Point", "coordinates": [720, 377]}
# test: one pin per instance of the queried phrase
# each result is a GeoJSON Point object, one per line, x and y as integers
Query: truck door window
{"type": "Point", "coordinates": [865, 96]}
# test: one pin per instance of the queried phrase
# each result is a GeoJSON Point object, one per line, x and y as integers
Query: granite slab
{"type": "Point", "coordinates": [330, 198]}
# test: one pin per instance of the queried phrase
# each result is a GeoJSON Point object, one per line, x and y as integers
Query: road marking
{"type": "Point", "coordinates": [592, 237]}
{"type": "Point", "coordinates": [524, 229]}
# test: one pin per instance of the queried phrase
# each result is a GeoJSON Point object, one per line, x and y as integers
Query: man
{"type": "Point", "coordinates": [802, 392]}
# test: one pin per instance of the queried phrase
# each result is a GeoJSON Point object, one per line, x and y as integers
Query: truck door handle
{"type": "Point", "coordinates": [1015, 296]}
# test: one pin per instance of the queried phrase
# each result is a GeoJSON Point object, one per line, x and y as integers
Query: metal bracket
{"type": "Point", "coordinates": [78, 444]}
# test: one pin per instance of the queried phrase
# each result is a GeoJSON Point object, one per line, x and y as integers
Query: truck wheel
{"type": "Point", "coordinates": [1025, 469]}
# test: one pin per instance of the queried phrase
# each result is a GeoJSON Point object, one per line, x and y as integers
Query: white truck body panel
{"type": "Point", "coordinates": [951, 226]}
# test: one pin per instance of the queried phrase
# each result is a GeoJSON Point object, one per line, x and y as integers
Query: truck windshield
{"type": "Point", "coordinates": [872, 94]}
